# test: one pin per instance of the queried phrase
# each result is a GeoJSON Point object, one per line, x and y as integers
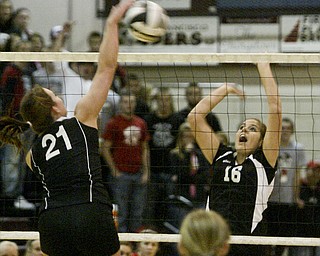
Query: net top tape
{"type": "Point", "coordinates": [174, 238]}
{"type": "Point", "coordinates": [298, 58]}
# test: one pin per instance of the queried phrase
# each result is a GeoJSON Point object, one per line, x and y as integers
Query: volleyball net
{"type": "Point", "coordinates": [298, 79]}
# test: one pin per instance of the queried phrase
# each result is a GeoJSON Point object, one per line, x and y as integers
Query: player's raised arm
{"type": "Point", "coordinates": [206, 138]}
{"type": "Point", "coordinates": [271, 142]}
{"type": "Point", "coordinates": [89, 106]}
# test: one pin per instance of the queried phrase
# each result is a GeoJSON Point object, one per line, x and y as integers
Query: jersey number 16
{"type": "Point", "coordinates": [234, 174]}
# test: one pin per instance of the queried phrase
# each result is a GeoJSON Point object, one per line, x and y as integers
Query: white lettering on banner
{"type": "Point", "coordinates": [249, 37]}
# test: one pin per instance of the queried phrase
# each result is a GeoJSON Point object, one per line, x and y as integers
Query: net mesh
{"type": "Point", "coordinates": [298, 79]}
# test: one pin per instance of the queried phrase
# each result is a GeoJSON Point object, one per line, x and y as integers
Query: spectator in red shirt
{"type": "Point", "coordinates": [126, 151]}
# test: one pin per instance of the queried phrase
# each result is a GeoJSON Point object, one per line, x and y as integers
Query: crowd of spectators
{"type": "Point", "coordinates": [20, 190]}
{"type": "Point", "coordinates": [176, 166]}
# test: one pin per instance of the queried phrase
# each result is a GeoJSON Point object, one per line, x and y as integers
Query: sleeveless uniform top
{"type": "Point", "coordinates": [66, 159]}
{"type": "Point", "coordinates": [240, 192]}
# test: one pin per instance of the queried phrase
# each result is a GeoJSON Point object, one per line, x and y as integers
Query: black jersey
{"type": "Point", "coordinates": [240, 192]}
{"type": "Point", "coordinates": [66, 159]}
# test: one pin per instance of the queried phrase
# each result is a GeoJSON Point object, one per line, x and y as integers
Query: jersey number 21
{"type": "Point", "coordinates": [52, 139]}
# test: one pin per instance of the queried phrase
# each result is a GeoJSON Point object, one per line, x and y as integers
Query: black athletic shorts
{"type": "Point", "coordinates": [85, 229]}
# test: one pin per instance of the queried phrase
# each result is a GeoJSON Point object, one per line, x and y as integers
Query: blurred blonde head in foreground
{"type": "Point", "coordinates": [204, 233]}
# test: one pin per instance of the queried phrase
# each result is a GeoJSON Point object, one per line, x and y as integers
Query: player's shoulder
{"type": "Point", "coordinates": [225, 151]}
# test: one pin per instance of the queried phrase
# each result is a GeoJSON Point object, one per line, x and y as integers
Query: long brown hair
{"type": "Point", "coordinates": [35, 109]}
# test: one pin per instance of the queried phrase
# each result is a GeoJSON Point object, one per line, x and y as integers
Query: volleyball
{"type": "Point", "coordinates": [146, 21]}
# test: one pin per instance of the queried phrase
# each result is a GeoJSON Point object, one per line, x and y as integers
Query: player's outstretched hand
{"type": "Point", "coordinates": [117, 12]}
{"type": "Point", "coordinates": [233, 88]}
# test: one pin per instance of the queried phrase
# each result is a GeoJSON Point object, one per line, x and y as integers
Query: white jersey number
{"type": "Point", "coordinates": [52, 152]}
{"type": "Point", "coordinates": [234, 174]}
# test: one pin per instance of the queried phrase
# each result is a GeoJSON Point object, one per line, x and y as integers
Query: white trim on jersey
{"type": "Point", "coordinates": [87, 155]}
{"type": "Point", "coordinates": [264, 190]}
{"type": "Point", "coordinates": [60, 119]}
{"type": "Point", "coordinates": [42, 179]}
{"type": "Point", "coordinates": [208, 204]}
{"type": "Point", "coordinates": [225, 154]}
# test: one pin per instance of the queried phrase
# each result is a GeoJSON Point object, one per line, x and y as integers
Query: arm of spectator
{"type": "Point", "coordinates": [107, 155]}
{"type": "Point", "coordinates": [145, 162]}
{"type": "Point", "coordinates": [174, 165]}
{"type": "Point", "coordinates": [297, 187]}
{"type": "Point", "coordinates": [59, 42]}
{"type": "Point", "coordinates": [28, 160]}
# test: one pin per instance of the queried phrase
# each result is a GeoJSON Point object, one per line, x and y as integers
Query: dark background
{"type": "Point", "coordinates": [198, 8]}
{"type": "Point", "coordinates": [264, 8]}
{"type": "Point", "coordinates": [234, 8]}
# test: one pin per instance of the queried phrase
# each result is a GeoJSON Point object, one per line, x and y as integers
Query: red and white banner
{"type": "Point", "coordinates": [300, 33]}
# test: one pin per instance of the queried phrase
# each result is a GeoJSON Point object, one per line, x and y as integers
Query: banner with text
{"type": "Point", "coordinates": [184, 35]}
{"type": "Point", "coordinates": [300, 33]}
{"type": "Point", "coordinates": [249, 37]}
